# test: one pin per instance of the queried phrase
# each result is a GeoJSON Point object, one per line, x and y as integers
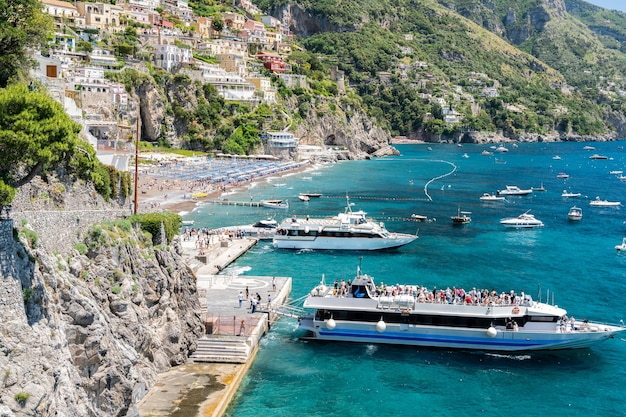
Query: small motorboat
{"type": "Point", "coordinates": [621, 246]}
{"type": "Point", "coordinates": [540, 188]}
{"type": "Point", "coordinates": [596, 156]}
{"type": "Point", "coordinates": [461, 218]}
{"type": "Point", "coordinates": [575, 214]}
{"type": "Point", "coordinates": [501, 149]}
{"type": "Point", "coordinates": [616, 172]}
{"type": "Point", "coordinates": [304, 197]}
{"type": "Point", "coordinates": [279, 204]}
{"type": "Point", "coordinates": [562, 175]}
{"type": "Point", "coordinates": [465, 155]}
{"type": "Point", "coordinates": [188, 222]}
{"type": "Point", "coordinates": [491, 197]}
{"type": "Point", "coordinates": [556, 157]}
{"type": "Point", "coordinates": [604, 203]}
{"type": "Point", "coordinates": [568, 194]}
{"type": "Point", "coordinates": [419, 218]}
{"type": "Point", "coordinates": [589, 148]}
{"type": "Point", "coordinates": [486, 153]}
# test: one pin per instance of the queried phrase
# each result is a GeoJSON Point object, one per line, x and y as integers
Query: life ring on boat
{"type": "Point", "coordinates": [515, 310]}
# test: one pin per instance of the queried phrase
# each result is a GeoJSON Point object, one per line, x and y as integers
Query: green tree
{"type": "Point", "coordinates": [217, 24]}
{"type": "Point", "coordinates": [23, 25]}
{"type": "Point", "coordinates": [36, 136]}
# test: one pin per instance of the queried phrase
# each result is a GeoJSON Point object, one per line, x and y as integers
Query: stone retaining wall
{"type": "Point", "coordinates": [59, 231]}
{"type": "Point", "coordinates": [6, 242]}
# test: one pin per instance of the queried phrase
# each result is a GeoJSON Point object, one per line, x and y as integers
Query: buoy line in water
{"type": "Point", "coordinates": [438, 178]}
{"type": "Point", "coordinates": [363, 197]}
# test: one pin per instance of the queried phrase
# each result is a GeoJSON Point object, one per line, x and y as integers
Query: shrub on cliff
{"type": "Point", "coordinates": [151, 223]}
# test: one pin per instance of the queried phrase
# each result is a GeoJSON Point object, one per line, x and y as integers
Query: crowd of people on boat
{"type": "Point", "coordinates": [453, 295]}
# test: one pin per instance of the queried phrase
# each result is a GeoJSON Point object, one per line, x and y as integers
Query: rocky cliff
{"type": "Point", "coordinates": [85, 332]}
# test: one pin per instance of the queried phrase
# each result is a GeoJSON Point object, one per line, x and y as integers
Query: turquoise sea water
{"type": "Point", "coordinates": [575, 262]}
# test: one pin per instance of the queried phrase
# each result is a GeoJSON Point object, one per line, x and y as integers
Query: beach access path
{"type": "Point", "coordinates": [206, 389]}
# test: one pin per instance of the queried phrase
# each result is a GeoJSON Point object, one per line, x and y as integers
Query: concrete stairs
{"type": "Point", "coordinates": [222, 349]}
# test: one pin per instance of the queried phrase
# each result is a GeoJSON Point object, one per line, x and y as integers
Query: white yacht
{"type": "Point", "coordinates": [350, 230]}
{"type": "Point", "coordinates": [491, 197]}
{"type": "Point", "coordinates": [263, 229]}
{"type": "Point", "coordinates": [514, 190]}
{"type": "Point", "coordinates": [603, 203]}
{"type": "Point", "coordinates": [523, 221]}
{"type": "Point", "coordinates": [569, 194]}
{"type": "Point", "coordinates": [361, 311]}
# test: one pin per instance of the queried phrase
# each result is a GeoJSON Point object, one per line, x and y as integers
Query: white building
{"type": "Point", "coordinates": [170, 57]}
{"type": "Point", "coordinates": [281, 140]}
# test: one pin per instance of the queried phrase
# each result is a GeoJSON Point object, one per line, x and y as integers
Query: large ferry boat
{"type": "Point", "coordinates": [350, 230]}
{"type": "Point", "coordinates": [361, 311]}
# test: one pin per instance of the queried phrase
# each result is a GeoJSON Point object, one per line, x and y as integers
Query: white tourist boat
{"type": "Point", "coordinates": [514, 190]}
{"type": "Point", "coordinates": [350, 230]}
{"type": "Point", "coordinates": [523, 221]}
{"type": "Point", "coordinates": [569, 194]}
{"type": "Point", "coordinates": [575, 214]}
{"type": "Point", "coordinates": [491, 197]}
{"type": "Point", "coordinates": [361, 311]}
{"type": "Point", "coordinates": [604, 203]}
{"type": "Point", "coordinates": [263, 229]}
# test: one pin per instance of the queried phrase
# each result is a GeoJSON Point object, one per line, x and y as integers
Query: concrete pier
{"type": "Point", "coordinates": [209, 381]}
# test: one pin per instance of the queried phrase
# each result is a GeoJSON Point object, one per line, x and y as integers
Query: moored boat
{"type": "Point", "coordinates": [491, 197]}
{"type": "Point", "coordinates": [462, 217]}
{"type": "Point", "coordinates": [604, 203]}
{"type": "Point", "coordinates": [575, 214]}
{"type": "Point", "coordinates": [562, 175]}
{"type": "Point", "coordinates": [569, 194]}
{"type": "Point", "coordinates": [350, 230]}
{"type": "Point", "coordinates": [303, 197]}
{"type": "Point", "coordinates": [279, 204]}
{"type": "Point", "coordinates": [514, 190]}
{"type": "Point", "coordinates": [262, 229]}
{"type": "Point", "coordinates": [523, 221]}
{"type": "Point", "coordinates": [596, 156]}
{"type": "Point", "coordinates": [361, 311]}
{"type": "Point", "coordinates": [621, 246]}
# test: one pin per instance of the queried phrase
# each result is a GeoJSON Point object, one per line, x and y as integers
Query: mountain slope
{"type": "Point", "coordinates": [414, 63]}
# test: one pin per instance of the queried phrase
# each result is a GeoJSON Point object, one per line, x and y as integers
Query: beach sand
{"type": "Point", "coordinates": [176, 195]}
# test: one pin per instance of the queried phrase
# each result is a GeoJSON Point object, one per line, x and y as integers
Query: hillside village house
{"type": "Point", "coordinates": [273, 62]}
{"type": "Point", "coordinates": [170, 57]}
{"type": "Point", "coordinates": [101, 15]}
{"type": "Point", "coordinates": [234, 21]}
{"type": "Point", "coordinates": [60, 9]}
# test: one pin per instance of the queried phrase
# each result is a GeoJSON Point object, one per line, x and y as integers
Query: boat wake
{"type": "Point", "coordinates": [236, 270]}
{"type": "Point", "coordinates": [512, 357]}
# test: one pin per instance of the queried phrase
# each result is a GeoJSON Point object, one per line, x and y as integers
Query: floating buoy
{"type": "Point", "coordinates": [381, 326]}
{"type": "Point", "coordinates": [330, 324]}
{"type": "Point", "coordinates": [492, 332]}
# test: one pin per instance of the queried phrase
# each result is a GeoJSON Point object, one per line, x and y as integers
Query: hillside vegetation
{"type": "Point", "coordinates": [518, 67]}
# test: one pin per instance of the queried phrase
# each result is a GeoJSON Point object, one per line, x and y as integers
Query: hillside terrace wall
{"type": "Point", "coordinates": [59, 231]}
{"type": "Point", "coordinates": [6, 241]}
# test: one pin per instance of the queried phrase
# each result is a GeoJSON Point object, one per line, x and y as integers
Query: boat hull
{"type": "Point", "coordinates": [342, 243]}
{"type": "Point", "coordinates": [455, 338]}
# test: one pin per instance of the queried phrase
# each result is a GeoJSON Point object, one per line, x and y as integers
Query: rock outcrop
{"type": "Point", "coordinates": [86, 332]}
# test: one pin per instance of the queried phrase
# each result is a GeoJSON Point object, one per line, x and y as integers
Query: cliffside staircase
{"type": "Point", "coordinates": [222, 349]}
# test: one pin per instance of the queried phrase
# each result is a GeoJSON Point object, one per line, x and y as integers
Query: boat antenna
{"type": "Point", "coordinates": [539, 291]}
{"type": "Point", "coordinates": [358, 271]}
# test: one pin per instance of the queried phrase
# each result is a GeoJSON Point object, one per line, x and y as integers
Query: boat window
{"type": "Point", "coordinates": [360, 291]}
